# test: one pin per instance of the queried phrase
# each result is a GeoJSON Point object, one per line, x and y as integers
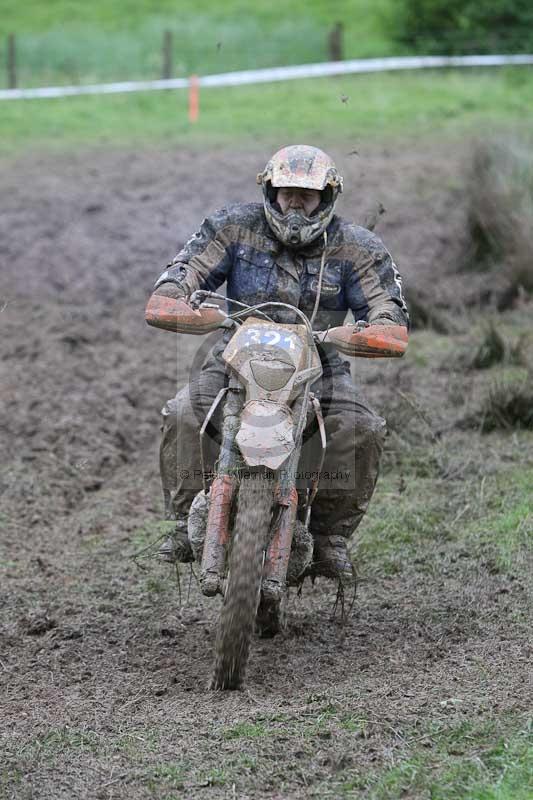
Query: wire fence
{"type": "Point", "coordinates": [243, 77]}
{"type": "Point", "coordinates": [72, 56]}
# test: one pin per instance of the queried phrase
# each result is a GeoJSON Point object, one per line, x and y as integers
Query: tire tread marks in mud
{"type": "Point", "coordinates": [237, 617]}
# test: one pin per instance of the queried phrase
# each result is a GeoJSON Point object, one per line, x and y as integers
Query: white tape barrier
{"type": "Point", "coordinates": [274, 74]}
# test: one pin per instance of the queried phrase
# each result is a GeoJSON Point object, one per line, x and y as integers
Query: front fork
{"type": "Point", "coordinates": [223, 491]}
{"type": "Point", "coordinates": [222, 495]}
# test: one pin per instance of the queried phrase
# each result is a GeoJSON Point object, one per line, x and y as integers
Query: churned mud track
{"type": "Point", "coordinates": [104, 668]}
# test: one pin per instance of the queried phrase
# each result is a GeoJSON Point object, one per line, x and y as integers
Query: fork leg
{"type": "Point", "coordinates": [222, 496]}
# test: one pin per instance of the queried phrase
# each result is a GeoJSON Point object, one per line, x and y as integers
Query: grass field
{"type": "Point", "coordinates": [349, 109]}
{"type": "Point", "coordinates": [71, 42]}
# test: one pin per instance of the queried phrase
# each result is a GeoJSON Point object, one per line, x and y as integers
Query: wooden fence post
{"type": "Point", "coordinates": [11, 62]}
{"type": "Point", "coordinates": [167, 55]}
{"type": "Point", "coordinates": [335, 42]}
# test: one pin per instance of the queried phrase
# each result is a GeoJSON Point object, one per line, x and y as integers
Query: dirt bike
{"type": "Point", "coordinates": [253, 539]}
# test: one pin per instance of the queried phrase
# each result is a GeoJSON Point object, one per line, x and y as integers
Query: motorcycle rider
{"type": "Point", "coordinates": [275, 250]}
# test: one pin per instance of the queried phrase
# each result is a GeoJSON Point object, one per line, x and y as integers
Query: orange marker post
{"type": "Point", "coordinates": [194, 98]}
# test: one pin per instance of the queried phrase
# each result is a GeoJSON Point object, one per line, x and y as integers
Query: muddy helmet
{"type": "Point", "coordinates": [304, 167]}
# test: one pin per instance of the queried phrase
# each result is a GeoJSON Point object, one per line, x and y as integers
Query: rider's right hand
{"type": "Point", "coordinates": [171, 290]}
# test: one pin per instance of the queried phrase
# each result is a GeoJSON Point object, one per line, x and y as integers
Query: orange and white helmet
{"type": "Point", "coordinates": [304, 167]}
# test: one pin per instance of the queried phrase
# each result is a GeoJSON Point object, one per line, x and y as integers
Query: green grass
{"type": "Point", "coordinates": [448, 757]}
{"type": "Point", "coordinates": [463, 490]}
{"type": "Point", "coordinates": [378, 107]}
{"type": "Point", "coordinates": [166, 776]}
{"type": "Point", "coordinates": [505, 524]}
{"type": "Point", "coordinates": [458, 762]}
{"type": "Point", "coordinates": [355, 724]}
{"type": "Point", "coordinates": [244, 730]}
{"type": "Point", "coordinates": [57, 741]}
{"type": "Point", "coordinates": [490, 515]}
{"type": "Point", "coordinates": [66, 41]}
{"type": "Point", "coordinates": [451, 758]}
{"type": "Point", "coordinates": [36, 15]}
{"type": "Point", "coordinates": [151, 533]}
{"type": "Point", "coordinates": [398, 526]}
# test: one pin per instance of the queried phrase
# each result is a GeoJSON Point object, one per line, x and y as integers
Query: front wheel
{"type": "Point", "coordinates": [241, 598]}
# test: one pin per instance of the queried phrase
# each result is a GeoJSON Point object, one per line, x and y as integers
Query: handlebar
{"type": "Point", "coordinates": [180, 316]}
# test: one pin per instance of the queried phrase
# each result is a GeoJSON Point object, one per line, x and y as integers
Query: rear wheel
{"type": "Point", "coordinates": [241, 598]}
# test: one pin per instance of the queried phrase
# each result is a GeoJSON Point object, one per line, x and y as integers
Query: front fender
{"type": "Point", "coordinates": [265, 437]}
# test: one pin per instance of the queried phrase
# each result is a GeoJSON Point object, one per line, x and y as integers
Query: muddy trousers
{"type": "Point", "coordinates": [354, 436]}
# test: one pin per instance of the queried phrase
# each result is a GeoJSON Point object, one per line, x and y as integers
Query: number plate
{"type": "Point", "coordinates": [273, 338]}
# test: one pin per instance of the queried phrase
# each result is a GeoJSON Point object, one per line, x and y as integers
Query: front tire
{"type": "Point", "coordinates": [241, 598]}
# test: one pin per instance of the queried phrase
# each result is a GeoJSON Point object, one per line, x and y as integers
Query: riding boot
{"type": "Point", "coordinates": [331, 558]}
{"type": "Point", "coordinates": [177, 547]}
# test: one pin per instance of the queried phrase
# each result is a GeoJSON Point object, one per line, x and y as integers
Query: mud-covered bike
{"type": "Point", "coordinates": [249, 526]}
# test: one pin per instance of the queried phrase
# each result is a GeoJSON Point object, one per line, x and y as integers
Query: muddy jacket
{"type": "Point", "coordinates": [236, 245]}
